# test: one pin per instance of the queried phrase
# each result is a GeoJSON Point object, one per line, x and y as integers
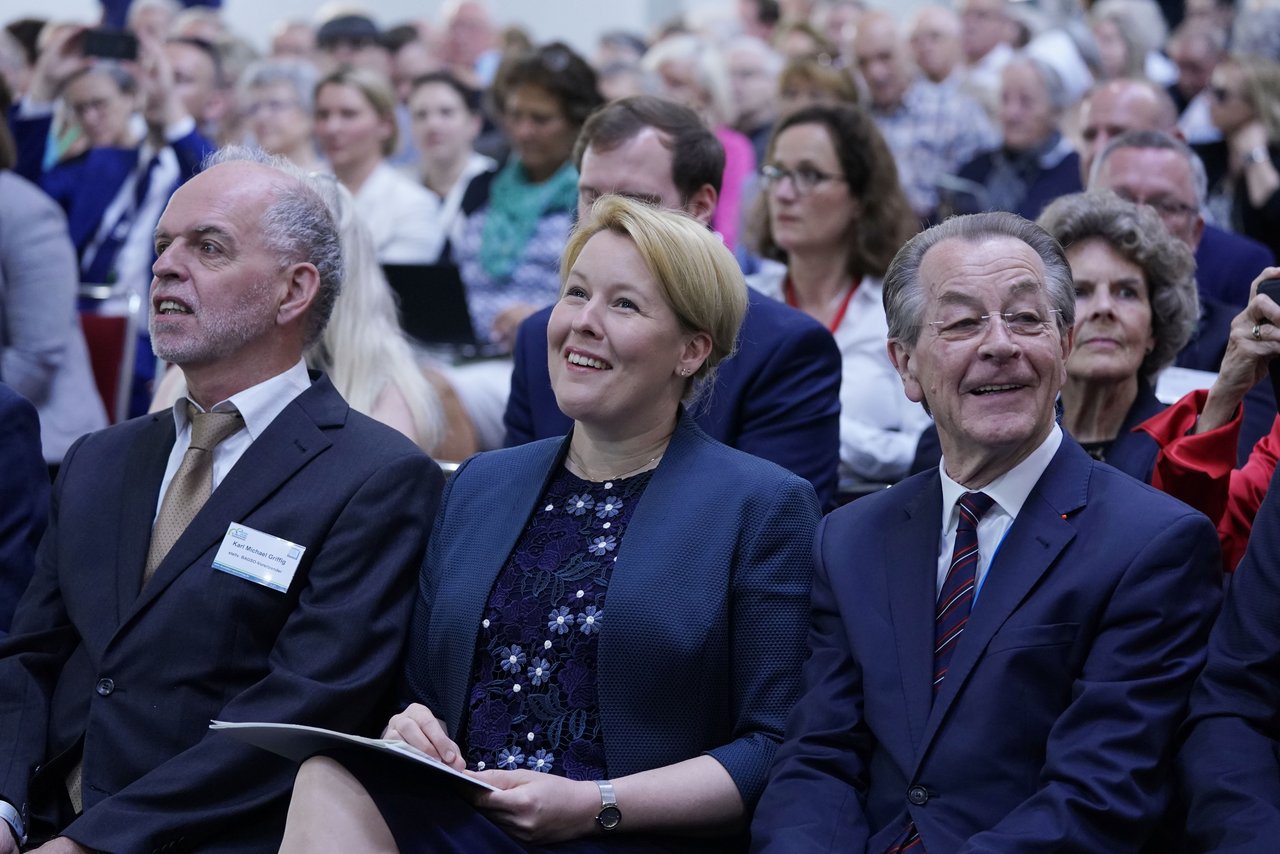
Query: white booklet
{"type": "Point", "coordinates": [298, 742]}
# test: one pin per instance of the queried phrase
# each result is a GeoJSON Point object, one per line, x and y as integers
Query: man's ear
{"type": "Point", "coordinates": [302, 284]}
{"type": "Point", "coordinates": [702, 204]}
{"type": "Point", "coordinates": [903, 358]}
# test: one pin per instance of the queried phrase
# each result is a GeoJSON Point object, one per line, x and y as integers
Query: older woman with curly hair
{"type": "Point", "coordinates": [1136, 307]}
{"type": "Point", "coordinates": [833, 212]}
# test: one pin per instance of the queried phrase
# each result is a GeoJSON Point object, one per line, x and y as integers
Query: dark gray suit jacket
{"type": "Point", "coordinates": [129, 680]}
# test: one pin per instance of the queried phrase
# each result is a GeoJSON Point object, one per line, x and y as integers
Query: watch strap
{"type": "Point", "coordinates": [10, 815]}
{"type": "Point", "coordinates": [609, 816]}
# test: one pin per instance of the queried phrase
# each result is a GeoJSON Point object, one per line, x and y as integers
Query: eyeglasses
{"type": "Point", "coordinates": [1167, 208]}
{"type": "Point", "coordinates": [803, 179]}
{"type": "Point", "coordinates": [1026, 324]}
{"type": "Point", "coordinates": [269, 106]}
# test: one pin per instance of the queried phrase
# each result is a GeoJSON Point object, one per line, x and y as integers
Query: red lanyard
{"type": "Point", "coordinates": [789, 293]}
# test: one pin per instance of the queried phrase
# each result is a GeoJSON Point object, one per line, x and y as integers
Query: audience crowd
{"type": "Point", "coordinates": [984, 281]}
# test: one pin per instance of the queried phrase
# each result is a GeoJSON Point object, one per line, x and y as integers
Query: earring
{"type": "Point", "coordinates": [684, 372]}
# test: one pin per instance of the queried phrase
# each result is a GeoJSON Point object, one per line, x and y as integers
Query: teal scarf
{"type": "Point", "coordinates": [515, 206]}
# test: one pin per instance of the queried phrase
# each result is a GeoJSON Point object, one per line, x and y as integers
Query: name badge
{"type": "Point", "coordinates": [258, 557]}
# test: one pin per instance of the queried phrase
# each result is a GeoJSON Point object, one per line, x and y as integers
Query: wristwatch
{"type": "Point", "coordinates": [609, 816]}
{"type": "Point", "coordinates": [9, 815]}
{"type": "Point", "coordinates": [1258, 154]}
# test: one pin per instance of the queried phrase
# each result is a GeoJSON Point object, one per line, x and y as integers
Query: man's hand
{"type": "Point", "coordinates": [539, 808]}
{"type": "Point", "coordinates": [507, 323]}
{"type": "Point", "coordinates": [61, 845]}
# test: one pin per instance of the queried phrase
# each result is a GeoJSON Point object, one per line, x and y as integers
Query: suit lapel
{"type": "Point", "coordinates": [147, 458]}
{"type": "Point", "coordinates": [1031, 547]}
{"type": "Point", "coordinates": [292, 440]}
{"type": "Point", "coordinates": [912, 583]}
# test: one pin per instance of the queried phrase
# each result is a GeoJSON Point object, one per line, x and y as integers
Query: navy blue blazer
{"type": "Point", "coordinates": [85, 186]}
{"type": "Point", "coordinates": [129, 680]}
{"type": "Point", "coordinates": [1047, 185]}
{"type": "Point", "coordinates": [1227, 264]}
{"type": "Point", "coordinates": [705, 632]}
{"type": "Point", "coordinates": [778, 397]}
{"type": "Point", "coordinates": [1134, 452]}
{"type": "Point", "coordinates": [24, 498]}
{"type": "Point", "coordinates": [1229, 763]}
{"type": "Point", "coordinates": [1052, 728]}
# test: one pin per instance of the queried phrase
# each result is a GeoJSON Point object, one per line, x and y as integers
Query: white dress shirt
{"type": "Point", "coordinates": [879, 426]}
{"type": "Point", "coordinates": [1009, 491]}
{"type": "Point", "coordinates": [258, 405]}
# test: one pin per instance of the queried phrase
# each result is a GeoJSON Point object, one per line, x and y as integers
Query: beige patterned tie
{"type": "Point", "coordinates": [187, 493]}
{"type": "Point", "coordinates": [192, 484]}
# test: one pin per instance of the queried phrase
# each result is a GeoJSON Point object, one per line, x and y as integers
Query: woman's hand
{"type": "Point", "coordinates": [417, 727]}
{"type": "Point", "coordinates": [1246, 138]}
{"type": "Point", "coordinates": [537, 807]}
{"type": "Point", "coordinates": [162, 106]}
{"type": "Point", "coordinates": [61, 59]}
{"type": "Point", "coordinates": [1247, 357]}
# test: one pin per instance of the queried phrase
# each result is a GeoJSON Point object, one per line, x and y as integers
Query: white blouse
{"type": "Point", "coordinates": [879, 426]}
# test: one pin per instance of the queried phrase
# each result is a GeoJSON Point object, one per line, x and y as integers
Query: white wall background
{"type": "Point", "coordinates": [575, 21]}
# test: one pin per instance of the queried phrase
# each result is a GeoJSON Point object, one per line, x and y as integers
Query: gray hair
{"type": "Point", "coordinates": [1256, 32]}
{"type": "Point", "coordinates": [769, 60]}
{"type": "Point", "coordinates": [904, 299]}
{"type": "Point", "coordinates": [1136, 232]}
{"type": "Point", "coordinates": [708, 63]}
{"type": "Point", "coordinates": [1059, 97]}
{"type": "Point", "coordinates": [1159, 140]}
{"type": "Point", "coordinates": [299, 226]}
{"type": "Point", "coordinates": [1140, 22]}
{"type": "Point", "coordinates": [299, 74]}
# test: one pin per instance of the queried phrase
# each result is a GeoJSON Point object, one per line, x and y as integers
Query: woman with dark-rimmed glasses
{"type": "Point", "coordinates": [832, 211]}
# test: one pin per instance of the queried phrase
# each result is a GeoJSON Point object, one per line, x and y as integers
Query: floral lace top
{"type": "Point", "coordinates": [533, 701]}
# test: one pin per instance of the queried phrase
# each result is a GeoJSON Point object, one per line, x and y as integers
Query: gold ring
{"type": "Point", "coordinates": [1257, 332]}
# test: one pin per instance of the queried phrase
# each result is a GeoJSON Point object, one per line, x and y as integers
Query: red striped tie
{"type": "Point", "coordinates": [958, 588]}
{"type": "Point", "coordinates": [954, 604]}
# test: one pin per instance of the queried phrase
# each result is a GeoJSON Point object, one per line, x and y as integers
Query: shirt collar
{"type": "Point", "coordinates": [1009, 490]}
{"type": "Point", "coordinates": [258, 405]}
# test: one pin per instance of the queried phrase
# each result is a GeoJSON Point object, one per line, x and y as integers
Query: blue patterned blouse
{"type": "Point", "coordinates": [533, 701]}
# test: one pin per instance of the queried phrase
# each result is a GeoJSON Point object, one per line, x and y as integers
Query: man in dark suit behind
{"type": "Point", "coordinates": [779, 396]}
{"type": "Point", "coordinates": [24, 498]}
{"type": "Point", "coordinates": [130, 639]}
{"type": "Point", "coordinates": [1002, 647]}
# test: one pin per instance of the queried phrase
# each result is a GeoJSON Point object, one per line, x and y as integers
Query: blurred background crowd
{"type": "Point", "coordinates": [847, 125]}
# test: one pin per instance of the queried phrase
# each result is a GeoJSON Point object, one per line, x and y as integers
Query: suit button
{"type": "Point", "coordinates": [105, 687]}
{"type": "Point", "coordinates": [918, 795]}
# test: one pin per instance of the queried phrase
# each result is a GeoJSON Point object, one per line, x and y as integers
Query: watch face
{"type": "Point", "coordinates": [609, 817]}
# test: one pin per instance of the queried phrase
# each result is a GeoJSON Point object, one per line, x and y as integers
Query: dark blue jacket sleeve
{"type": "Point", "coordinates": [1228, 769]}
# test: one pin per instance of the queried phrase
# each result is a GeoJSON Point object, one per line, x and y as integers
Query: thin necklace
{"type": "Point", "coordinates": [582, 468]}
